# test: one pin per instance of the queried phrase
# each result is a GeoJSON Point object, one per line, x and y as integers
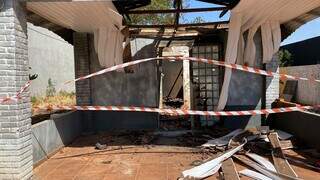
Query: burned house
{"type": "Point", "coordinates": [103, 36]}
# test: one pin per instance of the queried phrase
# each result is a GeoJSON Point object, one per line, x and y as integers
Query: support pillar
{"type": "Point", "coordinates": [15, 123]}
{"type": "Point", "coordinates": [186, 83]}
{"type": "Point", "coordinates": [82, 68]}
{"type": "Point", "coordinates": [272, 83]}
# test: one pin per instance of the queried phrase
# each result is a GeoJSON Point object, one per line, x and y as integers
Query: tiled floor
{"type": "Point", "coordinates": [82, 161]}
{"type": "Point", "coordinates": [132, 163]}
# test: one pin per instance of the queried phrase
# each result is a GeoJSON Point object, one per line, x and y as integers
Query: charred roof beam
{"type": "Point", "coordinates": [166, 11]}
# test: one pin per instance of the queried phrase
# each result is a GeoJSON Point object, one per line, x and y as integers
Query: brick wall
{"type": "Point", "coordinates": [82, 67]}
{"type": "Point", "coordinates": [272, 83]}
{"type": "Point", "coordinates": [15, 122]}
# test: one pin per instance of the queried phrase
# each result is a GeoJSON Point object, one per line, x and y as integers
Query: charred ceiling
{"type": "Point", "coordinates": [133, 7]}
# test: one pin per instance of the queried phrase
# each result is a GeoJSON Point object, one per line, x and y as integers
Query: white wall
{"type": "Point", "coordinates": [308, 92]}
{"type": "Point", "coordinates": [50, 57]}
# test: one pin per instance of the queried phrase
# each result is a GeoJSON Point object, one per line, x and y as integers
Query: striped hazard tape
{"type": "Point", "coordinates": [215, 62]}
{"type": "Point", "coordinates": [177, 111]}
{"type": "Point", "coordinates": [17, 96]}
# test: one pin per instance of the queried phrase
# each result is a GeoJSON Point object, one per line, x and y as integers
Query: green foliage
{"type": "Point", "coordinates": [146, 19]}
{"type": "Point", "coordinates": [66, 94]}
{"type": "Point", "coordinates": [285, 58]}
{"type": "Point", "coordinates": [50, 91]}
{"type": "Point", "coordinates": [197, 20]}
{"type": "Point", "coordinates": [149, 19]}
{"type": "Point", "coordinates": [34, 99]}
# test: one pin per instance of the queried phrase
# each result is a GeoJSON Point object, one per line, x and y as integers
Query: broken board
{"type": "Point", "coordinates": [229, 170]}
{"type": "Point", "coordinates": [280, 162]}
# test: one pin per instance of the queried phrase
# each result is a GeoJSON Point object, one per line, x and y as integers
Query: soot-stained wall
{"type": "Point", "coordinates": [246, 93]}
{"type": "Point", "coordinates": [140, 88]}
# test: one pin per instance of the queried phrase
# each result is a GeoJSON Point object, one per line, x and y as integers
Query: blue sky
{"type": "Point", "coordinates": [307, 31]}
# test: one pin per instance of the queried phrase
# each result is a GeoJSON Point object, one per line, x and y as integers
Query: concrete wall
{"type": "Point", "coordinates": [303, 125]}
{"type": "Point", "coordinates": [50, 135]}
{"type": "Point", "coordinates": [140, 88]}
{"type": "Point", "coordinates": [50, 57]}
{"type": "Point", "coordinates": [246, 93]}
{"type": "Point", "coordinates": [308, 92]}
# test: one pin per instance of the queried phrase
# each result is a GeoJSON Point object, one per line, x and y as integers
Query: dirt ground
{"type": "Point", "coordinates": [164, 158]}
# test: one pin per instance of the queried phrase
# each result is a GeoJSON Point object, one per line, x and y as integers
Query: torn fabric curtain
{"type": "Point", "coordinates": [249, 16]}
{"type": "Point", "coordinates": [108, 43]}
{"type": "Point", "coordinates": [98, 17]}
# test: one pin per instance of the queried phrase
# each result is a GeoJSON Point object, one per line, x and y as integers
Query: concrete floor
{"type": "Point", "coordinates": [81, 160]}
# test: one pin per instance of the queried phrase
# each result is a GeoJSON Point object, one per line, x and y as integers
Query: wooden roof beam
{"type": "Point", "coordinates": [163, 11]}
{"type": "Point", "coordinates": [178, 25]}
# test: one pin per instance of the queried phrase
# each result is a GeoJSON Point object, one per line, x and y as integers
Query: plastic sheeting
{"type": "Point", "coordinates": [247, 17]}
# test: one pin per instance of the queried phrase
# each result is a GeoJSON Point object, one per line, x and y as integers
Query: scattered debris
{"type": "Point", "coordinates": [211, 167]}
{"type": "Point", "coordinates": [303, 163]}
{"type": "Point", "coordinates": [286, 144]}
{"type": "Point", "coordinates": [229, 170]}
{"type": "Point", "coordinates": [254, 174]}
{"type": "Point", "coordinates": [283, 135]}
{"type": "Point", "coordinates": [261, 169]}
{"type": "Point", "coordinates": [196, 163]}
{"type": "Point", "coordinates": [263, 140]}
{"type": "Point", "coordinates": [172, 133]}
{"type": "Point", "coordinates": [261, 160]}
{"type": "Point", "coordinates": [173, 102]}
{"type": "Point", "coordinates": [280, 162]}
{"type": "Point", "coordinates": [222, 141]}
{"type": "Point", "coordinates": [106, 162]}
{"type": "Point", "coordinates": [101, 146]}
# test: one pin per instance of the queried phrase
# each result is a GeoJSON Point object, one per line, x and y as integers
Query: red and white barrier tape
{"type": "Point", "coordinates": [215, 62]}
{"type": "Point", "coordinates": [17, 96]}
{"type": "Point", "coordinates": [177, 111]}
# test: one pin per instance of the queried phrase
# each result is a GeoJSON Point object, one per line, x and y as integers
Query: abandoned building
{"type": "Point", "coordinates": [102, 36]}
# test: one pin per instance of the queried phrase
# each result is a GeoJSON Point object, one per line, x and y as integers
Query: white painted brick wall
{"type": "Point", "coordinates": [272, 83]}
{"type": "Point", "coordinates": [15, 123]}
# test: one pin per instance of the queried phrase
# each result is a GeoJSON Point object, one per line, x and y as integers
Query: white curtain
{"type": "Point", "coordinates": [250, 15]}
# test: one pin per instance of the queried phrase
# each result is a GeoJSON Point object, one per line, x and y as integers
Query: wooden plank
{"type": "Point", "coordinates": [179, 25]}
{"type": "Point", "coordinates": [190, 10]}
{"type": "Point", "coordinates": [229, 170]}
{"type": "Point", "coordinates": [286, 144]}
{"type": "Point", "coordinates": [263, 170]}
{"type": "Point", "coordinates": [280, 162]}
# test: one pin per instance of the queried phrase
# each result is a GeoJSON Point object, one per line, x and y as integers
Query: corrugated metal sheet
{"type": "Point", "coordinates": [81, 16]}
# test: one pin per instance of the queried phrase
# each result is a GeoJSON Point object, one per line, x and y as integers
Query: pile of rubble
{"type": "Point", "coordinates": [248, 147]}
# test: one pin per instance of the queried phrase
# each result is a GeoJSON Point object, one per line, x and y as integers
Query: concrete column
{"type": "Point", "coordinates": [15, 123]}
{"type": "Point", "coordinates": [186, 83]}
{"type": "Point", "coordinates": [82, 68]}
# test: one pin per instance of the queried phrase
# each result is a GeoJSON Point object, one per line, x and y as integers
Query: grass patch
{"type": "Point", "coordinates": [62, 98]}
